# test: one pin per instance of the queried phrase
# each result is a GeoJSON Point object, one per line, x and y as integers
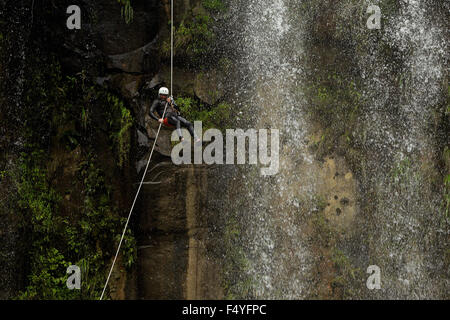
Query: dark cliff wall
{"type": "Point", "coordinates": [70, 104]}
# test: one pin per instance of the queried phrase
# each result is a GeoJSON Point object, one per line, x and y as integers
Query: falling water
{"type": "Point", "coordinates": [18, 26]}
{"type": "Point", "coordinates": [400, 216]}
{"type": "Point", "coordinates": [273, 240]}
{"type": "Point", "coordinates": [399, 125]}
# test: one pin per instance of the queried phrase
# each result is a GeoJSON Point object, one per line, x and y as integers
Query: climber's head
{"type": "Point", "coordinates": [163, 93]}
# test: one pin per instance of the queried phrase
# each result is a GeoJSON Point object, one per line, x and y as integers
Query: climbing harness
{"type": "Point", "coordinates": [167, 124]}
{"type": "Point", "coordinates": [166, 120]}
{"type": "Point", "coordinates": [151, 153]}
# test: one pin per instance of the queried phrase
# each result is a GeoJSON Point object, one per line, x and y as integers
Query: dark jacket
{"type": "Point", "coordinates": [159, 105]}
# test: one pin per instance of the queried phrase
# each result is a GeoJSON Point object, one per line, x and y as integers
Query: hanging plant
{"type": "Point", "coordinates": [127, 10]}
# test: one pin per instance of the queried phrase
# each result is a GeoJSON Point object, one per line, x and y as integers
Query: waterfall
{"type": "Point", "coordinates": [273, 240]}
{"type": "Point", "coordinates": [18, 26]}
{"type": "Point", "coordinates": [363, 118]}
{"type": "Point", "coordinates": [399, 122]}
{"type": "Point", "coordinates": [398, 224]}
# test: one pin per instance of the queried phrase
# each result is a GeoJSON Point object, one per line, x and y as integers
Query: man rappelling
{"type": "Point", "coordinates": [172, 117]}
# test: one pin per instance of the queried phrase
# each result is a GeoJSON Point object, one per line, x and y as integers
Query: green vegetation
{"type": "Point", "coordinates": [446, 157]}
{"type": "Point", "coordinates": [347, 277]}
{"type": "Point", "coordinates": [194, 37]}
{"type": "Point", "coordinates": [325, 235]}
{"type": "Point", "coordinates": [337, 102]}
{"type": "Point", "coordinates": [211, 117]}
{"type": "Point", "coordinates": [73, 216]}
{"type": "Point", "coordinates": [237, 283]}
{"type": "Point", "coordinates": [126, 10]}
{"type": "Point", "coordinates": [58, 240]}
{"type": "Point", "coordinates": [120, 121]}
{"type": "Point", "coordinates": [447, 183]}
{"type": "Point", "coordinates": [214, 5]}
{"type": "Point", "coordinates": [447, 195]}
{"type": "Point", "coordinates": [403, 174]}
{"type": "Point", "coordinates": [447, 110]}
{"type": "Point", "coordinates": [194, 41]}
{"type": "Point", "coordinates": [335, 267]}
{"type": "Point", "coordinates": [401, 169]}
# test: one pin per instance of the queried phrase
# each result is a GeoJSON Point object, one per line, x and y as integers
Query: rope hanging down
{"type": "Point", "coordinates": [149, 158]}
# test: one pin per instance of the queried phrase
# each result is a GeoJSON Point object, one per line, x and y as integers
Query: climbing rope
{"type": "Point", "coordinates": [171, 47]}
{"type": "Point", "coordinates": [149, 158]}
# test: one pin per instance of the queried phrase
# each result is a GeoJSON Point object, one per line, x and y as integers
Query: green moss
{"type": "Point", "coordinates": [59, 240]}
{"type": "Point", "coordinates": [446, 204]}
{"type": "Point", "coordinates": [62, 111]}
{"type": "Point", "coordinates": [336, 103]}
{"type": "Point", "coordinates": [389, 8]}
{"type": "Point", "coordinates": [326, 241]}
{"type": "Point", "coordinates": [347, 277]}
{"type": "Point", "coordinates": [126, 10]}
{"type": "Point", "coordinates": [325, 236]}
{"type": "Point", "coordinates": [447, 110]}
{"type": "Point", "coordinates": [212, 117]}
{"type": "Point", "coordinates": [319, 202]}
{"type": "Point", "coordinates": [237, 283]}
{"type": "Point", "coordinates": [401, 168]}
{"type": "Point", "coordinates": [446, 160]}
{"type": "Point", "coordinates": [194, 37]}
{"type": "Point", "coordinates": [120, 122]}
{"type": "Point", "coordinates": [214, 5]}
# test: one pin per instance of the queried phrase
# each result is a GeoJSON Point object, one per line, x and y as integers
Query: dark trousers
{"type": "Point", "coordinates": [178, 122]}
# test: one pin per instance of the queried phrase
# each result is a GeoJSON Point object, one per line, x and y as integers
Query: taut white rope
{"type": "Point", "coordinates": [132, 206]}
{"type": "Point", "coordinates": [149, 158]}
{"type": "Point", "coordinates": [171, 48]}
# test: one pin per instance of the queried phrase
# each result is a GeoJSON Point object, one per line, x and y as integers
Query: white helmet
{"type": "Point", "coordinates": [164, 91]}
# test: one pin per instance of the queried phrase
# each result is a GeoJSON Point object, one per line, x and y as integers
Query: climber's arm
{"type": "Point", "coordinates": [152, 110]}
{"type": "Point", "coordinates": [174, 104]}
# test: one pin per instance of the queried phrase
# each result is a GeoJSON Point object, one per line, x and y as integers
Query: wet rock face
{"type": "Point", "coordinates": [209, 86]}
{"type": "Point", "coordinates": [114, 36]}
{"type": "Point", "coordinates": [12, 75]}
{"type": "Point", "coordinates": [141, 60]}
{"type": "Point", "coordinates": [104, 34]}
{"type": "Point", "coordinates": [377, 207]}
{"type": "Point", "coordinates": [11, 254]}
{"type": "Point", "coordinates": [173, 236]}
{"type": "Point", "coordinates": [339, 192]}
{"type": "Point", "coordinates": [122, 58]}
